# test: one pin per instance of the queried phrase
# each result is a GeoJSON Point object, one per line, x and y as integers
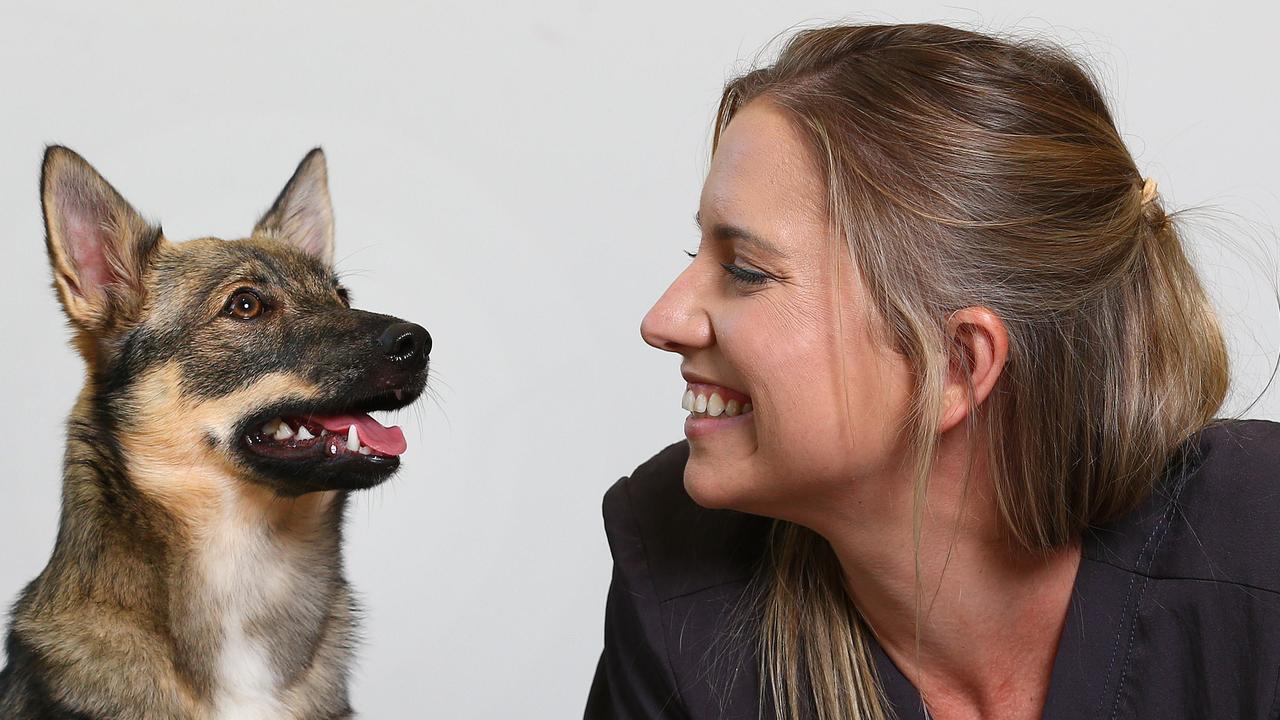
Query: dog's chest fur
{"type": "Point", "coordinates": [261, 581]}
{"type": "Point", "coordinates": [249, 618]}
{"type": "Point", "coordinates": [248, 577]}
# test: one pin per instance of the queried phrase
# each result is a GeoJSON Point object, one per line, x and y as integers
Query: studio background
{"type": "Point", "coordinates": [521, 178]}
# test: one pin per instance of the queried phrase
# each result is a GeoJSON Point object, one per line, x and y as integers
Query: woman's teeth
{"type": "Point", "coordinates": [713, 406]}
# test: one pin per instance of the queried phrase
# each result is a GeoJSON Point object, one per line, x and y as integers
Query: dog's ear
{"type": "Point", "coordinates": [98, 244]}
{"type": "Point", "coordinates": [302, 215]}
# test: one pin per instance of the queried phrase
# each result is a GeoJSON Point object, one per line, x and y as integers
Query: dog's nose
{"type": "Point", "coordinates": [406, 343]}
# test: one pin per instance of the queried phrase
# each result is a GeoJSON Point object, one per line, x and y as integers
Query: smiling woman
{"type": "Point", "coordinates": [765, 271]}
{"type": "Point", "coordinates": [952, 447]}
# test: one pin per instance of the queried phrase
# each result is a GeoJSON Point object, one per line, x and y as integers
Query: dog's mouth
{"type": "Point", "coordinates": [338, 432]}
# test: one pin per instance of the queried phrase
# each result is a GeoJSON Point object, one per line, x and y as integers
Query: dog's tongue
{"type": "Point", "coordinates": [385, 440]}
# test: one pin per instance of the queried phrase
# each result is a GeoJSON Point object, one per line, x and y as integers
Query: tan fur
{"type": "Point", "coordinates": [171, 462]}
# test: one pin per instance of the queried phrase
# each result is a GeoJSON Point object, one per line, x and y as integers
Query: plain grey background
{"type": "Point", "coordinates": [521, 178]}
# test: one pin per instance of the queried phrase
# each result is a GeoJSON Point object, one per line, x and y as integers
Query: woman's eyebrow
{"type": "Point", "coordinates": [732, 233]}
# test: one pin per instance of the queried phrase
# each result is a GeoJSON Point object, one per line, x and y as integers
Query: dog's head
{"type": "Point", "coordinates": [243, 354]}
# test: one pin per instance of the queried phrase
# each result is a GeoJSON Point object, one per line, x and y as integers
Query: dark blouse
{"type": "Point", "coordinates": [1175, 611]}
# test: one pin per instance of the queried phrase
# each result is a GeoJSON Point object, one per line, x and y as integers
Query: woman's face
{"type": "Point", "coordinates": [770, 317]}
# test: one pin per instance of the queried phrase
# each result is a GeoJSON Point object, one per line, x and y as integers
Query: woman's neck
{"type": "Point", "coordinates": [971, 619]}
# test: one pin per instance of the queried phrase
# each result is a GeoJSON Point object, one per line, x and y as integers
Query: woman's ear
{"type": "Point", "coordinates": [979, 348]}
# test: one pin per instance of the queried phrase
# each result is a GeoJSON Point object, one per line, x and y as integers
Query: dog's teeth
{"type": "Point", "coordinates": [364, 450]}
{"type": "Point", "coordinates": [399, 395]}
{"type": "Point", "coordinates": [271, 426]}
{"type": "Point", "coordinates": [304, 433]}
{"type": "Point", "coordinates": [353, 439]}
{"type": "Point", "coordinates": [284, 432]}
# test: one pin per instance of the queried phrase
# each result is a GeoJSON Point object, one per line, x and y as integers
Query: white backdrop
{"type": "Point", "coordinates": [520, 178]}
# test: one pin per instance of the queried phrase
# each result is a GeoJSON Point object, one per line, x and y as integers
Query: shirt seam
{"type": "Point", "coordinates": [1150, 576]}
{"type": "Point", "coordinates": [1162, 525]}
{"type": "Point", "coordinates": [733, 581]}
{"type": "Point", "coordinates": [1115, 644]}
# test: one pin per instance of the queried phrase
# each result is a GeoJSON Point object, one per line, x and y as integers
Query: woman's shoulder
{"type": "Point", "coordinates": [1213, 517]}
{"type": "Point", "coordinates": [680, 572]}
{"type": "Point", "coordinates": [1179, 600]}
{"type": "Point", "coordinates": [685, 548]}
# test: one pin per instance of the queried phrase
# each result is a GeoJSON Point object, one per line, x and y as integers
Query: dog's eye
{"type": "Point", "coordinates": [245, 305]}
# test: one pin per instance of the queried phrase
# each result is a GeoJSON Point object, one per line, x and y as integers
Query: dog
{"type": "Point", "coordinates": [197, 571]}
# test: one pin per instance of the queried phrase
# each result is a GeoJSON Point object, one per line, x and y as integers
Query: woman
{"type": "Point", "coordinates": [951, 445]}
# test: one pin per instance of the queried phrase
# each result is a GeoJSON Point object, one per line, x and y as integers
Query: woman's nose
{"type": "Point", "coordinates": [678, 321]}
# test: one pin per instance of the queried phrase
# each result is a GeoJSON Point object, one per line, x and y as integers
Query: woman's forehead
{"type": "Point", "coordinates": [763, 173]}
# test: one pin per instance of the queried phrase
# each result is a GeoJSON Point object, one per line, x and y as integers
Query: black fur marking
{"type": "Point", "coordinates": [333, 348]}
{"type": "Point", "coordinates": [140, 350]}
{"type": "Point", "coordinates": [22, 694]}
{"type": "Point", "coordinates": [104, 465]}
{"type": "Point", "coordinates": [291, 478]}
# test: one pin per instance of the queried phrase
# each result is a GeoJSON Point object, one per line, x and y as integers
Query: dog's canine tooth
{"type": "Point", "coordinates": [284, 432]}
{"type": "Point", "coordinates": [353, 439]}
{"type": "Point", "coordinates": [304, 433]}
{"type": "Point", "coordinates": [271, 427]}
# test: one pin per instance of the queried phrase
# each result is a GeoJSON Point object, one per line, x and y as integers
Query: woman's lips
{"type": "Point", "coordinates": [704, 400]}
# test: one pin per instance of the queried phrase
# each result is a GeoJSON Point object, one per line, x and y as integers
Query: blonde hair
{"type": "Point", "coordinates": [968, 170]}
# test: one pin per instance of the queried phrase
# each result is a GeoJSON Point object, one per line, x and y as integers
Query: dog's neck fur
{"type": "Point", "coordinates": [207, 596]}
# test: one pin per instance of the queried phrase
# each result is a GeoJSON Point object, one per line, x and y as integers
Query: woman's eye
{"type": "Point", "coordinates": [745, 276]}
{"type": "Point", "coordinates": [244, 305]}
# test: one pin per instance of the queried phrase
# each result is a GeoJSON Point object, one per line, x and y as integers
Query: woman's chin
{"type": "Point", "coordinates": [720, 473]}
{"type": "Point", "coordinates": [714, 488]}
